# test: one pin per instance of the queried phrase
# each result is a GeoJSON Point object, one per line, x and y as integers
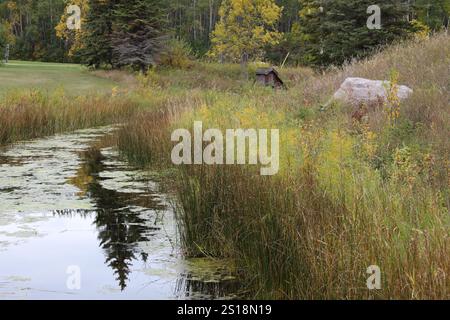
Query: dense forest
{"type": "Point", "coordinates": [307, 32]}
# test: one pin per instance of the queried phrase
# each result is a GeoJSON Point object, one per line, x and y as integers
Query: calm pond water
{"type": "Point", "coordinates": [69, 209]}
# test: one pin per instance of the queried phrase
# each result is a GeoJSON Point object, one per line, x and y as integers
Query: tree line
{"type": "Point", "coordinates": [117, 33]}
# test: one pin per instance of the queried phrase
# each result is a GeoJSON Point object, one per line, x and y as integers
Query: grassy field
{"type": "Point", "coordinates": [39, 99]}
{"type": "Point", "coordinates": [74, 79]}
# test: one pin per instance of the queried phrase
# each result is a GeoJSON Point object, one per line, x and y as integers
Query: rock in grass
{"type": "Point", "coordinates": [360, 91]}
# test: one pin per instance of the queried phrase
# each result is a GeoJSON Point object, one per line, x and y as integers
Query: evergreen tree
{"type": "Point", "coordinates": [333, 32]}
{"type": "Point", "coordinates": [138, 32]}
{"type": "Point", "coordinates": [97, 34]}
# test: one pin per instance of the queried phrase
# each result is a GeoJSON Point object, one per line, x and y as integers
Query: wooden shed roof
{"type": "Point", "coordinates": [266, 71]}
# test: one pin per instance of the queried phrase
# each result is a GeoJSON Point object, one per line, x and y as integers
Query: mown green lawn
{"type": "Point", "coordinates": [73, 78]}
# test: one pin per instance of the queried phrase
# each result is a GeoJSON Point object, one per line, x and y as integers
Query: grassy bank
{"type": "Point", "coordinates": [39, 99]}
{"type": "Point", "coordinates": [33, 114]}
{"type": "Point", "coordinates": [348, 195]}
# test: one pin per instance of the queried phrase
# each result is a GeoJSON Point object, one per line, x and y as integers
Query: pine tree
{"type": "Point", "coordinates": [97, 33]}
{"type": "Point", "coordinates": [138, 33]}
{"type": "Point", "coordinates": [333, 32]}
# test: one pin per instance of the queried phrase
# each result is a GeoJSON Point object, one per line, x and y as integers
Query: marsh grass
{"type": "Point", "coordinates": [297, 240]}
{"type": "Point", "coordinates": [33, 113]}
{"type": "Point", "coordinates": [348, 195]}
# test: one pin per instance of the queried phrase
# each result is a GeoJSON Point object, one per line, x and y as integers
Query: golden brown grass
{"type": "Point", "coordinates": [349, 195]}
{"type": "Point", "coordinates": [32, 114]}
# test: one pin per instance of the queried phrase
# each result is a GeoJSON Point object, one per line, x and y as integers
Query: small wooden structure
{"type": "Point", "coordinates": [269, 77]}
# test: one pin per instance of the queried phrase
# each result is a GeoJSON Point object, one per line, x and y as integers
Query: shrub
{"type": "Point", "coordinates": [178, 55]}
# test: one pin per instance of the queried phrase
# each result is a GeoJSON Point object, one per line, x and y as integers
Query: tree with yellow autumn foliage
{"type": "Point", "coordinates": [245, 28]}
{"type": "Point", "coordinates": [73, 38]}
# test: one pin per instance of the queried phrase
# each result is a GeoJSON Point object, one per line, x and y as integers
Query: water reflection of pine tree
{"type": "Point", "coordinates": [120, 229]}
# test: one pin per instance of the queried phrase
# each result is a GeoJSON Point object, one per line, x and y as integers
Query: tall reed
{"type": "Point", "coordinates": [32, 114]}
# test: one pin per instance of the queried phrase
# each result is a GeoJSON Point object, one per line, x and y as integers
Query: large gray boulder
{"type": "Point", "coordinates": [360, 91]}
